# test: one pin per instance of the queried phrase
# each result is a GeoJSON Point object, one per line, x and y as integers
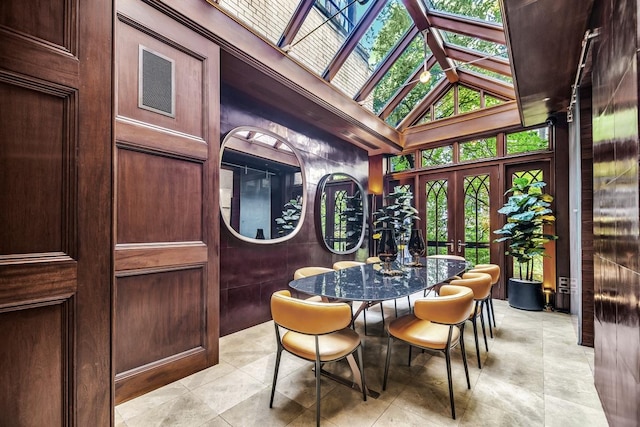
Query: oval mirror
{"type": "Point", "coordinates": [340, 208]}
{"type": "Point", "coordinates": [262, 186]}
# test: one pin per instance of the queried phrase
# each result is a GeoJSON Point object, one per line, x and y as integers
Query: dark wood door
{"type": "Point", "coordinates": [55, 213]}
{"type": "Point", "coordinates": [166, 291]}
{"type": "Point", "coordinates": [458, 210]}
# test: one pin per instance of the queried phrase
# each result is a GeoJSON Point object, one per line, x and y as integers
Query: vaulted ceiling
{"type": "Point", "coordinates": [362, 62]}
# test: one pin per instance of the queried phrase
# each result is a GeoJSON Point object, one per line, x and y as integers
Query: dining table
{"type": "Point", "coordinates": [374, 283]}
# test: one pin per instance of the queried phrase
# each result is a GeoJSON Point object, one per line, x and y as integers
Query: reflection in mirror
{"type": "Point", "coordinates": [340, 208]}
{"type": "Point", "coordinates": [261, 186]}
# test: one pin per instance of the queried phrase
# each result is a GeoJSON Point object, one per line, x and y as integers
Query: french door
{"type": "Point", "coordinates": [457, 209]}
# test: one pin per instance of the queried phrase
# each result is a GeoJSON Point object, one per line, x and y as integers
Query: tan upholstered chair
{"type": "Point", "coordinates": [339, 265]}
{"type": "Point", "coordinates": [480, 284]}
{"type": "Point", "coordinates": [315, 331]}
{"type": "Point", "coordinates": [435, 324]}
{"type": "Point", "coordinates": [310, 271]}
{"type": "Point", "coordinates": [437, 287]}
{"type": "Point", "coordinates": [494, 271]}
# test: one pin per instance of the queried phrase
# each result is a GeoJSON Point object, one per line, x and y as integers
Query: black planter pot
{"type": "Point", "coordinates": [525, 294]}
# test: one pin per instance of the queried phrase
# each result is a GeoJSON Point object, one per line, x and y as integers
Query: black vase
{"type": "Point", "coordinates": [416, 246]}
{"type": "Point", "coordinates": [387, 247]}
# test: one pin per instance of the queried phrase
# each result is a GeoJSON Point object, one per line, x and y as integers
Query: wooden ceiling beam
{"type": "Point", "coordinates": [493, 86]}
{"type": "Point", "coordinates": [385, 65]}
{"type": "Point", "coordinates": [403, 90]}
{"type": "Point", "coordinates": [464, 126]}
{"type": "Point", "coordinates": [295, 23]}
{"type": "Point", "coordinates": [433, 40]}
{"type": "Point", "coordinates": [352, 40]}
{"type": "Point", "coordinates": [468, 27]}
{"type": "Point", "coordinates": [494, 63]}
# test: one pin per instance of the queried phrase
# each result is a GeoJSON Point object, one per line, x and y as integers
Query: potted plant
{"type": "Point", "coordinates": [398, 215]}
{"type": "Point", "coordinates": [528, 211]}
{"type": "Point", "coordinates": [290, 216]}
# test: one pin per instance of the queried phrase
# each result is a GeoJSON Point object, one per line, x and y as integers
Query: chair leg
{"type": "Point", "coordinates": [475, 335]}
{"type": "Point", "coordinates": [395, 306]}
{"type": "Point", "coordinates": [447, 356]}
{"type": "Point", "coordinates": [275, 374]}
{"type": "Point", "coordinates": [464, 355]}
{"type": "Point", "coordinates": [484, 332]}
{"type": "Point", "coordinates": [487, 304]}
{"type": "Point", "coordinates": [318, 367]}
{"type": "Point", "coordinates": [382, 313]}
{"type": "Point", "coordinates": [364, 315]}
{"type": "Point", "coordinates": [386, 364]}
{"type": "Point", "coordinates": [493, 313]}
{"type": "Point", "coordinates": [364, 386]}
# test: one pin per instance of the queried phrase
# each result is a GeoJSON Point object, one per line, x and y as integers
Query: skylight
{"type": "Point", "coordinates": [374, 51]}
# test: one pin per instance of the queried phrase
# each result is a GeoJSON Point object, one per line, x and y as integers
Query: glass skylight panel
{"type": "Point", "coordinates": [484, 10]}
{"type": "Point", "coordinates": [399, 72]}
{"type": "Point", "coordinates": [478, 149]}
{"type": "Point", "coordinates": [468, 99]}
{"type": "Point", "coordinates": [490, 101]}
{"type": "Point", "coordinates": [484, 72]}
{"type": "Point", "coordinates": [383, 34]}
{"type": "Point", "coordinates": [416, 95]}
{"type": "Point", "coordinates": [483, 46]}
{"type": "Point", "coordinates": [324, 31]}
{"type": "Point", "coordinates": [437, 156]}
{"type": "Point", "coordinates": [445, 106]}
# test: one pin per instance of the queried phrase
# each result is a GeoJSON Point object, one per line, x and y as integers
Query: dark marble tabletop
{"type": "Point", "coordinates": [366, 283]}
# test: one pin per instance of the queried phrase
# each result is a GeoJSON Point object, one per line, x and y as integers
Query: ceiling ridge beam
{"type": "Point", "coordinates": [433, 40]}
{"type": "Point", "coordinates": [385, 65]}
{"type": "Point", "coordinates": [352, 41]}
{"type": "Point", "coordinates": [468, 27]}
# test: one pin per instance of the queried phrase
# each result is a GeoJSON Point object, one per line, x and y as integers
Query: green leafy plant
{"type": "Point", "coordinates": [528, 211]}
{"type": "Point", "coordinates": [353, 215]}
{"type": "Point", "coordinates": [290, 216]}
{"type": "Point", "coordinates": [398, 214]}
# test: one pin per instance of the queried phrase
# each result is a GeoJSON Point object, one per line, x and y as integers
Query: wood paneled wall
{"type": "Point", "coordinates": [55, 198]}
{"type": "Point", "coordinates": [250, 273]}
{"type": "Point", "coordinates": [166, 294]}
{"type": "Point", "coordinates": [616, 206]}
{"type": "Point", "coordinates": [586, 140]}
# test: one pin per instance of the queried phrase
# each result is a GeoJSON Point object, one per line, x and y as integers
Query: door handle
{"type": "Point", "coordinates": [460, 246]}
{"type": "Point", "coordinates": [451, 246]}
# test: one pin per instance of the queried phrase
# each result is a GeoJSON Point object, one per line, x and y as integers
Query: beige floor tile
{"type": "Point", "coordinates": [533, 375]}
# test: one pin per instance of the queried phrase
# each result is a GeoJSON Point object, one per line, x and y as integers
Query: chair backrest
{"type": "Point", "coordinates": [373, 260]}
{"type": "Point", "coordinates": [339, 265]}
{"type": "Point", "coordinates": [453, 306]}
{"type": "Point", "coordinates": [492, 269]}
{"type": "Point", "coordinates": [479, 283]}
{"type": "Point", "coordinates": [460, 258]}
{"type": "Point", "coordinates": [310, 271]}
{"type": "Point", "coordinates": [308, 317]}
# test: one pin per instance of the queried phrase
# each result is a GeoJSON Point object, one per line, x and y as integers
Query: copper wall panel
{"type": "Point", "coordinates": [250, 273]}
{"type": "Point", "coordinates": [159, 198]}
{"type": "Point", "coordinates": [35, 173]}
{"type": "Point", "coordinates": [616, 216]}
{"type": "Point", "coordinates": [36, 358]}
{"type": "Point", "coordinates": [158, 315]}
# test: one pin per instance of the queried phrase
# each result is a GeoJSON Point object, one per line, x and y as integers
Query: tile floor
{"type": "Point", "coordinates": [533, 375]}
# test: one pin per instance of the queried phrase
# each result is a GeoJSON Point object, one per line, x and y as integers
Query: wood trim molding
{"type": "Point", "coordinates": [458, 127]}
